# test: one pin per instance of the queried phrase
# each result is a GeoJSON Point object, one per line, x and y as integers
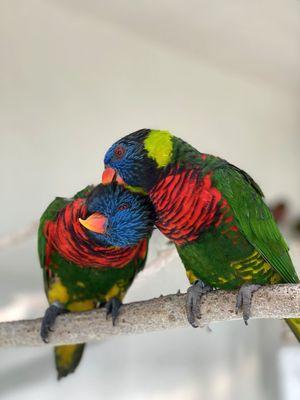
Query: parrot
{"type": "Point", "coordinates": [90, 248]}
{"type": "Point", "coordinates": [213, 212]}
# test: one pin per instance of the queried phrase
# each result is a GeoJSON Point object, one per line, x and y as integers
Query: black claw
{"type": "Point", "coordinates": [194, 294]}
{"type": "Point", "coordinates": [49, 319]}
{"type": "Point", "coordinates": [112, 308]}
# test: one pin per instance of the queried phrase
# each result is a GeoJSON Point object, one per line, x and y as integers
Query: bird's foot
{"type": "Point", "coordinates": [49, 319]}
{"type": "Point", "coordinates": [112, 308]}
{"type": "Point", "coordinates": [193, 297]}
{"type": "Point", "coordinates": [244, 300]}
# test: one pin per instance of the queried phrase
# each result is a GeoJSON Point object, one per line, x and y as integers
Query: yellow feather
{"type": "Point", "coordinates": [191, 276]}
{"type": "Point", "coordinates": [222, 280]}
{"type": "Point", "coordinates": [118, 290]}
{"type": "Point", "coordinates": [159, 147]}
{"type": "Point", "coordinates": [84, 305]}
{"type": "Point", "coordinates": [57, 292]}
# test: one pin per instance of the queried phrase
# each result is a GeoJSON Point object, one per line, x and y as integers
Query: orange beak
{"type": "Point", "coordinates": [95, 223]}
{"type": "Point", "coordinates": [110, 175]}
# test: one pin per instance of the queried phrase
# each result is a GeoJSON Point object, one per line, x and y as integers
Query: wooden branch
{"type": "Point", "coordinates": [165, 312]}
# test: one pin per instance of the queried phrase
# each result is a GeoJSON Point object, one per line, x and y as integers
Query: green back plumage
{"type": "Point", "coordinates": [245, 198]}
{"type": "Point", "coordinates": [255, 219]}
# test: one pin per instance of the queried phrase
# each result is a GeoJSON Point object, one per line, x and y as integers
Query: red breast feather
{"type": "Point", "coordinates": [186, 204]}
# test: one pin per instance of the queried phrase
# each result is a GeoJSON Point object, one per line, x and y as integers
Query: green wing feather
{"type": "Point", "coordinates": [255, 219]}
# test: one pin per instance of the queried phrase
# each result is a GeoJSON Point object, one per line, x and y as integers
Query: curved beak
{"type": "Point", "coordinates": [110, 175]}
{"type": "Point", "coordinates": [95, 223]}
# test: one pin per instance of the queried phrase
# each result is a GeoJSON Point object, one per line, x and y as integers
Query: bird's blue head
{"type": "Point", "coordinates": [137, 159]}
{"type": "Point", "coordinates": [117, 217]}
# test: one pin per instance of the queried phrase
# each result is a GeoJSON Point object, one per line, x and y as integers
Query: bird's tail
{"type": "Point", "coordinates": [67, 358]}
{"type": "Point", "coordinates": [294, 324]}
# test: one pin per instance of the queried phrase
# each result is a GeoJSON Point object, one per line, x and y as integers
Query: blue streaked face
{"type": "Point", "coordinates": [130, 216]}
{"type": "Point", "coordinates": [127, 159]}
{"type": "Point", "coordinates": [130, 161]}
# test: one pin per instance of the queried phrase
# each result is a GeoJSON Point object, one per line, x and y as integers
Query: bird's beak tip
{"type": "Point", "coordinates": [95, 223]}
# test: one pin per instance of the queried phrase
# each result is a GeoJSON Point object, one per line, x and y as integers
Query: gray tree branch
{"type": "Point", "coordinates": [165, 312]}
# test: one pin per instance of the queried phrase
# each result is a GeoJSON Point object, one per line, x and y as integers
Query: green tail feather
{"type": "Point", "coordinates": [67, 358]}
{"type": "Point", "coordinates": [294, 324]}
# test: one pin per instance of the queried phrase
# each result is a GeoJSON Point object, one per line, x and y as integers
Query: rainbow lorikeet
{"type": "Point", "coordinates": [213, 211]}
{"type": "Point", "coordinates": [91, 247]}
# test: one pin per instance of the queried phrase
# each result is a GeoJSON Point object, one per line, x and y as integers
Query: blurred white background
{"type": "Point", "coordinates": [75, 76]}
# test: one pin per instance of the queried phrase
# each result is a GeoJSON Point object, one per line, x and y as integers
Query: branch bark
{"type": "Point", "coordinates": [165, 312]}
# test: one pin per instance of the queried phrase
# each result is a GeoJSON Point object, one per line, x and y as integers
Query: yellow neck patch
{"type": "Point", "coordinates": [159, 147]}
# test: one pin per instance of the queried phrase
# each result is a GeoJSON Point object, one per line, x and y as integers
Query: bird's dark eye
{"type": "Point", "coordinates": [119, 151]}
{"type": "Point", "coordinates": [123, 206]}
